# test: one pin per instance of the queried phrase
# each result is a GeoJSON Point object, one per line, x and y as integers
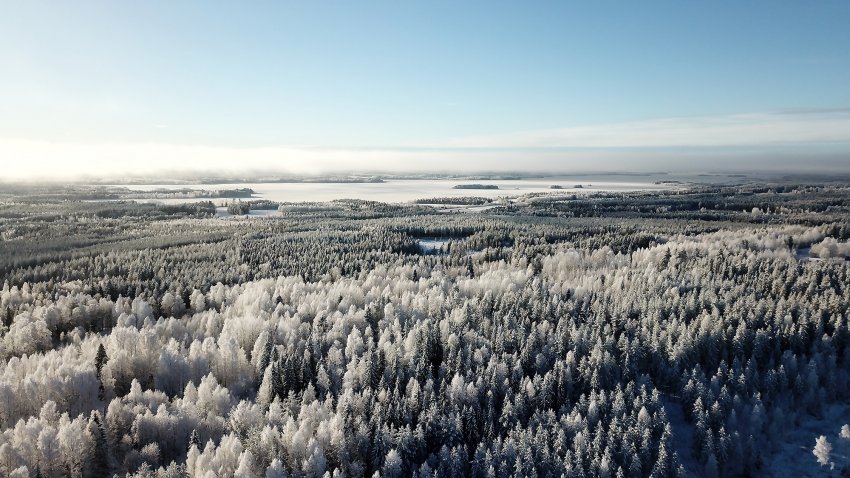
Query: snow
{"type": "Point", "coordinates": [805, 254]}
{"type": "Point", "coordinates": [263, 213]}
{"type": "Point", "coordinates": [432, 245]}
{"type": "Point", "coordinates": [221, 212]}
{"type": "Point", "coordinates": [793, 456]}
{"type": "Point", "coordinates": [683, 436]}
{"type": "Point", "coordinates": [404, 190]}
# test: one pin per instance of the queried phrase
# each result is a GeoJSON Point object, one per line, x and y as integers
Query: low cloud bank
{"type": "Point", "coordinates": [813, 141]}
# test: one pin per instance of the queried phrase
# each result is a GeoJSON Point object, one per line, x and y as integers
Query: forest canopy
{"type": "Point", "coordinates": [613, 334]}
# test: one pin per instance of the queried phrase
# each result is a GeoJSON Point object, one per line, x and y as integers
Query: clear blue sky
{"type": "Point", "coordinates": [391, 75]}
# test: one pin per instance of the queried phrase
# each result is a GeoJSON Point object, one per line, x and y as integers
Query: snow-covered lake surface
{"type": "Point", "coordinates": [394, 191]}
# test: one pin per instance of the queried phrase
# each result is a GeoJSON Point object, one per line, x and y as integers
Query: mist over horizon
{"type": "Point", "coordinates": [153, 89]}
{"type": "Point", "coordinates": [792, 169]}
{"type": "Point", "coordinates": [56, 161]}
{"type": "Point", "coordinates": [785, 141]}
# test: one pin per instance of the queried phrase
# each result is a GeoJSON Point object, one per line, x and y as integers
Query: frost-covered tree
{"type": "Point", "coordinates": [552, 338]}
{"type": "Point", "coordinates": [823, 451]}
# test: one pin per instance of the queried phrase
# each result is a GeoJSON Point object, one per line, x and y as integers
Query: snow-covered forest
{"type": "Point", "coordinates": [657, 334]}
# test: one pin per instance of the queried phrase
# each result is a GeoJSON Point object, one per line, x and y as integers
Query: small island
{"type": "Point", "coordinates": [476, 186]}
{"type": "Point", "coordinates": [556, 186]}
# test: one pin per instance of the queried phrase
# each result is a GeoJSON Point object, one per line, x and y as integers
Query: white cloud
{"type": "Point", "coordinates": [813, 126]}
{"type": "Point", "coordinates": [23, 159]}
{"type": "Point", "coordinates": [816, 140]}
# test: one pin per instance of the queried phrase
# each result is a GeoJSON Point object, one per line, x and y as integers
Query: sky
{"type": "Point", "coordinates": [113, 88]}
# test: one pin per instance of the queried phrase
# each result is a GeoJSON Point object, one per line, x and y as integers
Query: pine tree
{"type": "Point", "coordinates": [100, 457]}
{"type": "Point", "coordinates": [266, 355]}
{"type": "Point", "coordinates": [194, 439]}
{"type": "Point", "coordinates": [99, 361]}
{"type": "Point", "coordinates": [9, 317]}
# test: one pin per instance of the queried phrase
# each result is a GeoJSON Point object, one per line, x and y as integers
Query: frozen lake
{"type": "Point", "coordinates": [394, 191]}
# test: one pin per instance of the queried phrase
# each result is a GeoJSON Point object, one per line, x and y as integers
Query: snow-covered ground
{"type": "Point", "coordinates": [794, 457]}
{"type": "Point", "coordinates": [683, 436]}
{"type": "Point", "coordinates": [221, 212]}
{"type": "Point", "coordinates": [432, 245]}
{"type": "Point", "coordinates": [263, 213]}
{"type": "Point", "coordinates": [805, 254]}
